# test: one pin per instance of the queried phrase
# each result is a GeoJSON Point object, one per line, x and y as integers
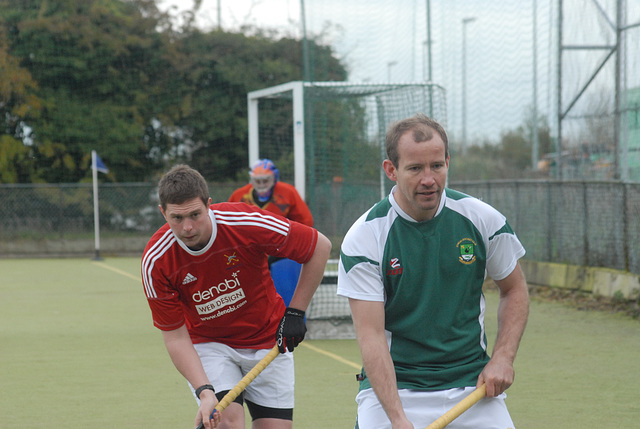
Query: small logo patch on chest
{"type": "Point", "coordinates": [189, 278]}
{"type": "Point", "coordinates": [396, 268]}
{"type": "Point", "coordinates": [467, 249]}
{"type": "Point", "coordinates": [232, 259]}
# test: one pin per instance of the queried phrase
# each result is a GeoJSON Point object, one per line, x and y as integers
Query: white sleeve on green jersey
{"type": "Point", "coordinates": [359, 273]}
{"type": "Point", "coordinates": [503, 247]}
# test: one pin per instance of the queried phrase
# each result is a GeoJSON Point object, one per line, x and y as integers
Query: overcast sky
{"type": "Point", "coordinates": [382, 40]}
{"type": "Point", "coordinates": [274, 13]}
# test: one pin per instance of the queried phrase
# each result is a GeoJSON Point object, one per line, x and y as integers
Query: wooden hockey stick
{"type": "Point", "coordinates": [459, 408]}
{"type": "Point", "coordinates": [242, 384]}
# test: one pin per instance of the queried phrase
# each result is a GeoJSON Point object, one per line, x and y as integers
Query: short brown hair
{"type": "Point", "coordinates": [422, 127]}
{"type": "Point", "coordinates": [180, 184]}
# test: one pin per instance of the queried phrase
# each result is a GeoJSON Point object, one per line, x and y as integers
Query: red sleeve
{"type": "Point", "coordinates": [164, 300]}
{"type": "Point", "coordinates": [300, 243]}
{"type": "Point", "coordinates": [167, 312]}
{"type": "Point", "coordinates": [300, 211]}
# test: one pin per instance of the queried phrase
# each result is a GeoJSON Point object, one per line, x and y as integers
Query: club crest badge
{"type": "Point", "coordinates": [467, 249]}
{"type": "Point", "coordinates": [232, 259]}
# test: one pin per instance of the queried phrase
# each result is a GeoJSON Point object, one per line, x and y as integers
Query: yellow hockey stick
{"type": "Point", "coordinates": [242, 384]}
{"type": "Point", "coordinates": [459, 408]}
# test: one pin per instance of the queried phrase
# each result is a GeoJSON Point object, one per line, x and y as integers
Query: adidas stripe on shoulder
{"type": "Point", "coordinates": [155, 252]}
{"type": "Point", "coordinates": [234, 218]}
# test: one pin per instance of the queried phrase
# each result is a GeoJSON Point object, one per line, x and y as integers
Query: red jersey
{"type": "Point", "coordinates": [224, 292]}
{"type": "Point", "coordinates": [285, 201]}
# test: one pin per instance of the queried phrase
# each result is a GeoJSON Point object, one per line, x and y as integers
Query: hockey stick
{"type": "Point", "coordinates": [459, 408]}
{"type": "Point", "coordinates": [242, 384]}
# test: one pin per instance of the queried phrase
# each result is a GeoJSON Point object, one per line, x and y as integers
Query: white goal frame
{"type": "Point", "coordinates": [296, 90]}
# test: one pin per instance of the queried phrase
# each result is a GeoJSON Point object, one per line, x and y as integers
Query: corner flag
{"type": "Point", "coordinates": [96, 165]}
{"type": "Point", "coordinates": [99, 165]}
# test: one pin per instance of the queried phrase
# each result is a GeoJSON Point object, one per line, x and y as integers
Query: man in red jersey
{"type": "Point", "coordinates": [207, 282]}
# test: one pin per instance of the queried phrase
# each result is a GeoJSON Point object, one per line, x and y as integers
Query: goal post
{"type": "Point", "coordinates": [327, 139]}
{"type": "Point", "coordinates": [295, 91]}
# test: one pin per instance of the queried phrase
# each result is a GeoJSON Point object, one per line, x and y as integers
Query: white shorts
{"type": "Point", "coordinates": [225, 367]}
{"type": "Point", "coordinates": [423, 408]}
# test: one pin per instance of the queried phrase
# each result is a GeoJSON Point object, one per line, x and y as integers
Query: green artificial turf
{"type": "Point", "coordinates": [78, 349]}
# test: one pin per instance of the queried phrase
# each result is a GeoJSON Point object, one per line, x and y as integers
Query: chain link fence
{"type": "Point", "coordinates": [57, 220]}
{"type": "Point", "coordinates": [579, 223]}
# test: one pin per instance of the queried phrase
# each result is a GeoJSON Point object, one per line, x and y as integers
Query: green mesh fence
{"type": "Point", "coordinates": [58, 219]}
{"type": "Point", "coordinates": [579, 223]}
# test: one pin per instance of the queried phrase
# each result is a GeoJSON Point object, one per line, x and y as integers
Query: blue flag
{"type": "Point", "coordinates": [100, 165]}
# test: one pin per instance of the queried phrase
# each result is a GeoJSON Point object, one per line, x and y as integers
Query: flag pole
{"type": "Point", "coordinates": [96, 215]}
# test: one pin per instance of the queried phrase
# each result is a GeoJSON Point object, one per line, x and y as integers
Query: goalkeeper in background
{"type": "Point", "coordinates": [207, 282]}
{"type": "Point", "coordinates": [266, 191]}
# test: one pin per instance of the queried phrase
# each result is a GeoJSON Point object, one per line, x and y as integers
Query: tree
{"type": "Point", "coordinates": [117, 77]}
{"type": "Point", "coordinates": [96, 63]}
{"type": "Point", "coordinates": [222, 68]}
{"type": "Point", "coordinates": [18, 104]}
{"type": "Point", "coordinates": [510, 158]}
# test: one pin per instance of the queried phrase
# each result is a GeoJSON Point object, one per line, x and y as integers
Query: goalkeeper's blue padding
{"type": "Point", "coordinates": [285, 274]}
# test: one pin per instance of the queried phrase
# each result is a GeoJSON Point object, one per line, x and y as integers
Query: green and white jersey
{"type": "Point", "coordinates": [429, 276]}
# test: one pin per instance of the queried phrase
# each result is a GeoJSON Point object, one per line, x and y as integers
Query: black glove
{"type": "Point", "coordinates": [291, 330]}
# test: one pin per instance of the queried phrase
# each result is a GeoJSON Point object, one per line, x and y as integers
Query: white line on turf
{"type": "Point", "coordinates": [124, 273]}
{"type": "Point", "coordinates": [331, 355]}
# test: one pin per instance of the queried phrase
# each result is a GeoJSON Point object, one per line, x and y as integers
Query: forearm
{"type": "Point", "coordinates": [368, 319]}
{"type": "Point", "coordinates": [380, 371]}
{"type": "Point", "coordinates": [311, 274]}
{"type": "Point", "coordinates": [513, 313]}
{"type": "Point", "coordinates": [188, 363]}
{"type": "Point", "coordinates": [184, 356]}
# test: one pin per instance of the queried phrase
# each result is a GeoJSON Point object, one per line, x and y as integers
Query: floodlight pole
{"type": "Point", "coordinates": [389, 65]}
{"type": "Point", "coordinates": [306, 69]}
{"type": "Point", "coordinates": [535, 140]}
{"type": "Point", "coordinates": [465, 21]}
{"type": "Point", "coordinates": [298, 140]}
{"type": "Point", "coordinates": [428, 49]}
{"type": "Point", "coordinates": [219, 17]}
{"type": "Point", "coordinates": [428, 42]}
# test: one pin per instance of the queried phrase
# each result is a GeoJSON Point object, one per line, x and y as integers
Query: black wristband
{"type": "Point", "coordinates": [204, 387]}
{"type": "Point", "coordinates": [290, 311]}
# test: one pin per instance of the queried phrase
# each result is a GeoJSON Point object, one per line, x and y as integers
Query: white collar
{"type": "Point", "coordinates": [214, 230]}
{"type": "Point", "coordinates": [404, 215]}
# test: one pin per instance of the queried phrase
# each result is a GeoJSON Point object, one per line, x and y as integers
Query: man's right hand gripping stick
{"type": "Point", "coordinates": [291, 330]}
{"type": "Point", "coordinates": [242, 384]}
{"type": "Point", "coordinates": [459, 408]}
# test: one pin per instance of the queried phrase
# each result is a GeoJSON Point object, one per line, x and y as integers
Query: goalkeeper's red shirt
{"type": "Point", "coordinates": [224, 292]}
{"type": "Point", "coordinates": [285, 201]}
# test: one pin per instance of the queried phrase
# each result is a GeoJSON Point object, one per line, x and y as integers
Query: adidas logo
{"type": "Point", "coordinates": [188, 279]}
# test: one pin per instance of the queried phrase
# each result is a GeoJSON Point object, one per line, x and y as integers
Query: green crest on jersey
{"type": "Point", "coordinates": [467, 255]}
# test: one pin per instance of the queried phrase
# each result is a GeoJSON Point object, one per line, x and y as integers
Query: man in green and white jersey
{"type": "Point", "coordinates": [413, 267]}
